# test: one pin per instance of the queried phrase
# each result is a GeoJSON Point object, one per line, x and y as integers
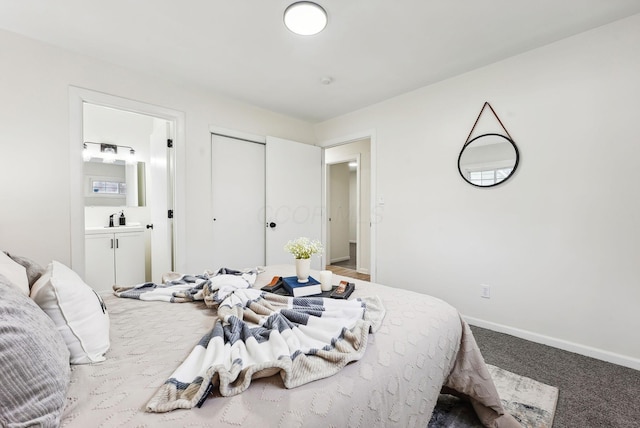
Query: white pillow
{"type": "Point", "coordinates": [77, 311]}
{"type": "Point", "coordinates": [15, 273]}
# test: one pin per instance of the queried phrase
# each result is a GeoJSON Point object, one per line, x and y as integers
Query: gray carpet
{"type": "Point", "coordinates": [593, 393]}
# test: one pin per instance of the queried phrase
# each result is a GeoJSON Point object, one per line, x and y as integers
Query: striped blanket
{"type": "Point", "coordinates": [258, 334]}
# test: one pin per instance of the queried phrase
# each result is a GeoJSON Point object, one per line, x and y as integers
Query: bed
{"type": "Point", "coordinates": [420, 347]}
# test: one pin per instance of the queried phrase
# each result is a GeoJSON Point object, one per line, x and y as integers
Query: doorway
{"type": "Point", "coordinates": [168, 125]}
{"type": "Point", "coordinates": [348, 200]}
{"type": "Point", "coordinates": [132, 179]}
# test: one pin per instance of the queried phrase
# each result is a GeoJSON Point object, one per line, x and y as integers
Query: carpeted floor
{"type": "Point", "coordinates": [592, 393]}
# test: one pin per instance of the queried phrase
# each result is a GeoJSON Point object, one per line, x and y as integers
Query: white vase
{"type": "Point", "coordinates": [303, 267]}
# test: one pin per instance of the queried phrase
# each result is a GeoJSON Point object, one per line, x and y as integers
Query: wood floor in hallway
{"type": "Point", "coordinates": [351, 273]}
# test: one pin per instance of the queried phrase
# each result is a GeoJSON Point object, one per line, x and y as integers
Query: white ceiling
{"type": "Point", "coordinates": [372, 49]}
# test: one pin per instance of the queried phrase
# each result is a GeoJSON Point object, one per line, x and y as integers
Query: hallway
{"type": "Point", "coordinates": [348, 267]}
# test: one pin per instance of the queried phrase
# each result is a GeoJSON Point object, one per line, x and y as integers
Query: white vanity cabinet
{"type": "Point", "coordinates": [114, 256]}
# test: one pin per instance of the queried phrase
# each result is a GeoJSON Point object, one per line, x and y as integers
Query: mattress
{"type": "Point", "coordinates": [421, 346]}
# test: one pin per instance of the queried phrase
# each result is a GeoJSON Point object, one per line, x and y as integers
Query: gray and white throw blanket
{"type": "Point", "coordinates": [258, 334]}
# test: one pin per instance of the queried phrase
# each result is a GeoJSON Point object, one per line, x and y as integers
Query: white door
{"type": "Point", "coordinates": [159, 189]}
{"type": "Point", "coordinates": [293, 198]}
{"type": "Point", "coordinates": [238, 199]}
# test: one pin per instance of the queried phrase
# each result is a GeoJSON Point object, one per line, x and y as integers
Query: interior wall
{"type": "Point", "coordinates": [558, 242]}
{"type": "Point", "coordinates": [353, 206]}
{"type": "Point", "coordinates": [35, 138]}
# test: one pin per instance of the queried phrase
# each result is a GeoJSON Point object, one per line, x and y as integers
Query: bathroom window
{"type": "Point", "coordinates": [105, 187]}
{"type": "Point", "coordinates": [489, 176]}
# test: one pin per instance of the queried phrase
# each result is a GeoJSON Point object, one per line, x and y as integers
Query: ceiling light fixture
{"type": "Point", "coordinates": [305, 18]}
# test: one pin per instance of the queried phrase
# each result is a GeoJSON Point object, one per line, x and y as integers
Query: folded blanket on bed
{"type": "Point", "coordinates": [177, 288]}
{"type": "Point", "coordinates": [258, 334]}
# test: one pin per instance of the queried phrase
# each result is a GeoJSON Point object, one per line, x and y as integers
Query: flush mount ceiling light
{"type": "Point", "coordinates": [305, 18]}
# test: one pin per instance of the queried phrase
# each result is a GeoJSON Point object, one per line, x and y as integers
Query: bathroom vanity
{"type": "Point", "coordinates": [114, 255]}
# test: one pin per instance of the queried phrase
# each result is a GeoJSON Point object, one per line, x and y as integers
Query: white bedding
{"type": "Point", "coordinates": [396, 383]}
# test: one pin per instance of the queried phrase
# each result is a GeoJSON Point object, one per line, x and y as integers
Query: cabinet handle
{"type": "Point", "coordinates": [111, 243]}
{"type": "Point", "coordinates": [117, 243]}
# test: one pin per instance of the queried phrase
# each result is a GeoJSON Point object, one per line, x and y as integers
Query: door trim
{"type": "Point", "coordinates": [238, 135]}
{"type": "Point", "coordinates": [77, 97]}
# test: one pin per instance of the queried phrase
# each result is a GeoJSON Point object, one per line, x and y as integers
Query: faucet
{"type": "Point", "coordinates": [111, 219]}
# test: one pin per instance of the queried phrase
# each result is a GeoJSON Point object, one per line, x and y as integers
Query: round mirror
{"type": "Point", "coordinates": [488, 160]}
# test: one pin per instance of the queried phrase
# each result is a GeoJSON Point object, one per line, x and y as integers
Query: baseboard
{"type": "Point", "coordinates": [340, 259]}
{"type": "Point", "coordinates": [363, 271]}
{"type": "Point", "coordinates": [600, 354]}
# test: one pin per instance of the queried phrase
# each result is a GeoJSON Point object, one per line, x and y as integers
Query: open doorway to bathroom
{"type": "Point", "coordinates": [348, 197]}
{"type": "Point", "coordinates": [131, 181]}
{"type": "Point", "coordinates": [167, 157]}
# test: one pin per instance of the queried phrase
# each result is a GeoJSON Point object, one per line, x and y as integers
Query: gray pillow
{"type": "Point", "coordinates": [34, 373]}
{"type": "Point", "coordinates": [34, 270]}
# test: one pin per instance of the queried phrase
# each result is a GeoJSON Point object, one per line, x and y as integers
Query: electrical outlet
{"type": "Point", "coordinates": [485, 291]}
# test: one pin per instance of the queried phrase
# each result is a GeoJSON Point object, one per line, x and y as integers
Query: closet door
{"type": "Point", "coordinates": [238, 200]}
{"type": "Point", "coordinates": [294, 197]}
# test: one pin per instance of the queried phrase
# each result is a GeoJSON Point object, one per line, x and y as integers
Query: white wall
{"type": "Point", "coordinates": [559, 243]}
{"type": "Point", "coordinates": [35, 138]}
{"type": "Point", "coordinates": [353, 206]}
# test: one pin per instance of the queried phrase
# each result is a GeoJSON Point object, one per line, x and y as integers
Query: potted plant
{"type": "Point", "coordinates": [302, 249]}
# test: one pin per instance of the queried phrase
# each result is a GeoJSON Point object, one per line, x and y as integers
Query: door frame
{"type": "Point", "coordinates": [373, 221]}
{"type": "Point", "coordinates": [77, 97]}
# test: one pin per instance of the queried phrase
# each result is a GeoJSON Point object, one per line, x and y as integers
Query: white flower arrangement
{"type": "Point", "coordinates": [303, 248]}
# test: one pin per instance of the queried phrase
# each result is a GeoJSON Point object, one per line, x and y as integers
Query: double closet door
{"type": "Point", "coordinates": [263, 194]}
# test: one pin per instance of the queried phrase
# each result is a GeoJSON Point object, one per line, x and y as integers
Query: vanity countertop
{"type": "Point", "coordinates": [115, 229]}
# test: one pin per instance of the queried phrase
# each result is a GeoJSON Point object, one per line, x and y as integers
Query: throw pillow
{"type": "Point", "coordinates": [15, 273]}
{"type": "Point", "coordinates": [34, 374]}
{"type": "Point", "coordinates": [34, 270]}
{"type": "Point", "coordinates": [77, 310]}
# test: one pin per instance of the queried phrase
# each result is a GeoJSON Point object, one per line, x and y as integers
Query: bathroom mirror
{"type": "Point", "coordinates": [488, 160]}
{"type": "Point", "coordinates": [116, 183]}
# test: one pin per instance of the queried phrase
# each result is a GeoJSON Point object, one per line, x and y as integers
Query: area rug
{"type": "Point", "coordinates": [531, 402]}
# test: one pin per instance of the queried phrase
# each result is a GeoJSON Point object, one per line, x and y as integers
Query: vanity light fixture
{"type": "Point", "coordinates": [109, 152]}
{"type": "Point", "coordinates": [305, 18]}
{"type": "Point", "coordinates": [110, 149]}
